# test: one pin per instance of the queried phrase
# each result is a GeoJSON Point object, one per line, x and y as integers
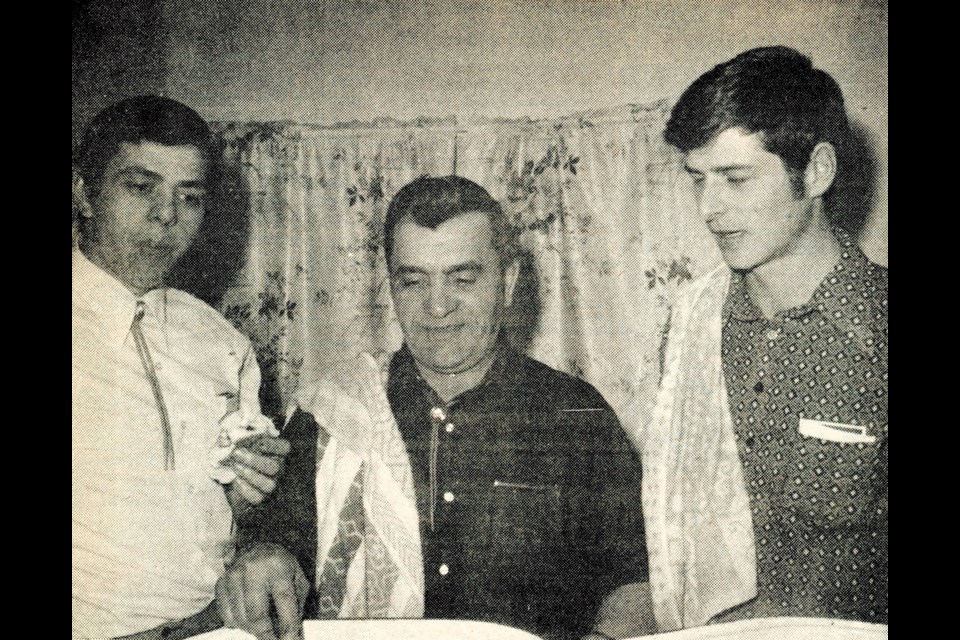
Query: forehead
{"type": "Point", "coordinates": [178, 163]}
{"type": "Point", "coordinates": [462, 239]}
{"type": "Point", "coordinates": [731, 147]}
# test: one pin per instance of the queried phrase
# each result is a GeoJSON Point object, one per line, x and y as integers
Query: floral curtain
{"type": "Point", "coordinates": [608, 226]}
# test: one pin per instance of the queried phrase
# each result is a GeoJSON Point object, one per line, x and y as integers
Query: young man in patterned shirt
{"type": "Point", "coordinates": [765, 463]}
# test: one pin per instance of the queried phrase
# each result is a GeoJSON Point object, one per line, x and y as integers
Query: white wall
{"type": "Point", "coordinates": [326, 61]}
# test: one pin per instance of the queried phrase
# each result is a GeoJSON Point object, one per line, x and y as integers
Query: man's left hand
{"type": "Point", "coordinates": [257, 461]}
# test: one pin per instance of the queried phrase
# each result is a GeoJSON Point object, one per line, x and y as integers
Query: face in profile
{"type": "Point", "coordinates": [449, 291]}
{"type": "Point", "coordinates": [147, 212]}
{"type": "Point", "coordinates": [746, 198]}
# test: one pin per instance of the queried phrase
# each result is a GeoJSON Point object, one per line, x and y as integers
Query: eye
{"type": "Point", "coordinates": [464, 280]}
{"type": "Point", "coordinates": [408, 280]}
{"type": "Point", "coordinates": [141, 187]}
{"type": "Point", "coordinates": [195, 200]}
{"type": "Point", "coordinates": [737, 179]}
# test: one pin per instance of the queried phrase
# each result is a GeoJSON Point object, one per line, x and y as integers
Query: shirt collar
{"type": "Point", "coordinates": [100, 292]}
{"type": "Point", "coordinates": [846, 281]}
{"type": "Point", "coordinates": [503, 375]}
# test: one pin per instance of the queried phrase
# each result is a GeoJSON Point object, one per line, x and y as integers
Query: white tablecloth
{"type": "Point", "coordinates": [760, 629]}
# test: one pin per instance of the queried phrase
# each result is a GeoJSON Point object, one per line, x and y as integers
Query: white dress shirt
{"type": "Point", "coordinates": [149, 544]}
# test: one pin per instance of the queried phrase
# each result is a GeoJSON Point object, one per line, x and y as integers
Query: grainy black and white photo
{"type": "Point", "coordinates": [479, 319]}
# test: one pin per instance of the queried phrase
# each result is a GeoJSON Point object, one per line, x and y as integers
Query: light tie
{"type": "Point", "coordinates": [151, 372]}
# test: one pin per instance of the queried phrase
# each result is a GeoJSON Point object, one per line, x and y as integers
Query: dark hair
{"type": "Point", "coordinates": [134, 120]}
{"type": "Point", "coordinates": [771, 90]}
{"type": "Point", "coordinates": [429, 202]}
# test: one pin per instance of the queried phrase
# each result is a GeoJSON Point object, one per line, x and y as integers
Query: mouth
{"type": "Point", "coordinates": [728, 235]}
{"type": "Point", "coordinates": [441, 330]}
{"type": "Point", "coordinates": [155, 249]}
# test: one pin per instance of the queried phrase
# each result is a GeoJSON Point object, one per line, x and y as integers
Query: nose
{"type": "Point", "coordinates": [163, 207]}
{"type": "Point", "coordinates": [710, 199]}
{"type": "Point", "coordinates": [439, 303]}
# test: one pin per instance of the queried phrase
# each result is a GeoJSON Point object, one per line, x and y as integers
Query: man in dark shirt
{"type": "Point", "coordinates": [526, 486]}
{"type": "Point", "coordinates": [775, 385]}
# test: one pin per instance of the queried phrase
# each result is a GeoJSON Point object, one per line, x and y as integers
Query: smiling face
{"type": "Point", "coordinates": [449, 290]}
{"type": "Point", "coordinates": [147, 212]}
{"type": "Point", "coordinates": [746, 198]}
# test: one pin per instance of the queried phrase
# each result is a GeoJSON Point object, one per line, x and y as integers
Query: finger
{"type": "Point", "coordinates": [302, 586]}
{"type": "Point", "coordinates": [264, 484]}
{"type": "Point", "coordinates": [264, 464]}
{"type": "Point", "coordinates": [266, 445]}
{"type": "Point", "coordinates": [257, 586]}
{"type": "Point", "coordinates": [287, 605]}
{"type": "Point", "coordinates": [235, 598]}
{"type": "Point", "coordinates": [262, 629]}
{"type": "Point", "coordinates": [223, 602]}
{"type": "Point", "coordinates": [247, 492]}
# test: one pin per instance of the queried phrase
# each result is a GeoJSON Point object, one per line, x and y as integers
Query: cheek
{"type": "Point", "coordinates": [405, 306]}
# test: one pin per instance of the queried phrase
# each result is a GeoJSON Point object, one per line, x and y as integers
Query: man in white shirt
{"type": "Point", "coordinates": [164, 388]}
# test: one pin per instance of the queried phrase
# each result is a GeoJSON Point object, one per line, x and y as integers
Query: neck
{"type": "Point", "coordinates": [103, 261]}
{"type": "Point", "coordinates": [790, 280]}
{"type": "Point", "coordinates": [450, 385]}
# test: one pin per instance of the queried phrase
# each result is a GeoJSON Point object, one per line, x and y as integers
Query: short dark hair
{"type": "Point", "coordinates": [134, 120]}
{"type": "Point", "coordinates": [429, 202]}
{"type": "Point", "coordinates": [775, 91]}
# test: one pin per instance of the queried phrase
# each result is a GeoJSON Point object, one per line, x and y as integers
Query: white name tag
{"type": "Point", "coordinates": [835, 431]}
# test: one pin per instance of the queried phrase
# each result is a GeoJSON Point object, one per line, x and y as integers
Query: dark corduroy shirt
{"type": "Point", "coordinates": [537, 513]}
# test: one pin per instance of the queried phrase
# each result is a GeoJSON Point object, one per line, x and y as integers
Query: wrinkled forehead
{"type": "Point", "coordinates": [465, 238]}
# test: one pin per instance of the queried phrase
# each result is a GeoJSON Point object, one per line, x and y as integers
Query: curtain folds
{"type": "Point", "coordinates": [608, 226]}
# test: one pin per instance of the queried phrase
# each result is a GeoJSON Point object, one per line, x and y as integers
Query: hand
{"type": "Point", "coordinates": [263, 574]}
{"type": "Point", "coordinates": [626, 612]}
{"type": "Point", "coordinates": [257, 461]}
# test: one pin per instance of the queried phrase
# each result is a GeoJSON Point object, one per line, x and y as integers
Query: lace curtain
{"type": "Point", "coordinates": [608, 226]}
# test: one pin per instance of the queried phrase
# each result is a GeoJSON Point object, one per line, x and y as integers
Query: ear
{"type": "Point", "coordinates": [81, 199]}
{"type": "Point", "coordinates": [510, 276]}
{"type": "Point", "coordinates": [821, 170]}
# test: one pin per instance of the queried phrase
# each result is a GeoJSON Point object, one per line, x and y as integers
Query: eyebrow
{"type": "Point", "coordinates": [723, 169]}
{"type": "Point", "coordinates": [465, 266]}
{"type": "Point", "coordinates": [137, 170]}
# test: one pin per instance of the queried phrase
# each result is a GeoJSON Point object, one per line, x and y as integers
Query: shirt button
{"type": "Point", "coordinates": [758, 387]}
{"type": "Point", "coordinates": [437, 414]}
{"type": "Point", "coordinates": [448, 497]}
{"type": "Point", "coordinates": [449, 427]}
{"type": "Point", "coordinates": [444, 569]}
{"type": "Point", "coordinates": [773, 334]}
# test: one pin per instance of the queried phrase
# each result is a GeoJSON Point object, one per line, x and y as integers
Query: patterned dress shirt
{"type": "Point", "coordinates": [819, 504]}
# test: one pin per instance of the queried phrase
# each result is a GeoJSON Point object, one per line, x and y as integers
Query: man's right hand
{"type": "Point", "coordinates": [260, 575]}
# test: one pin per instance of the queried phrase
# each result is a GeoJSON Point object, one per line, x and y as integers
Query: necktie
{"type": "Point", "coordinates": [151, 372]}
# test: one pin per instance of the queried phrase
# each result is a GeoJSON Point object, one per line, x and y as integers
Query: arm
{"type": "Point", "coordinates": [259, 460]}
{"type": "Point", "coordinates": [278, 539]}
{"type": "Point", "coordinates": [627, 608]}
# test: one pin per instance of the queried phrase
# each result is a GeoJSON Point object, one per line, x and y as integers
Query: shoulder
{"type": "Point", "coordinates": [199, 317]}
{"type": "Point", "coordinates": [560, 388]}
{"type": "Point", "coordinates": [572, 412]}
